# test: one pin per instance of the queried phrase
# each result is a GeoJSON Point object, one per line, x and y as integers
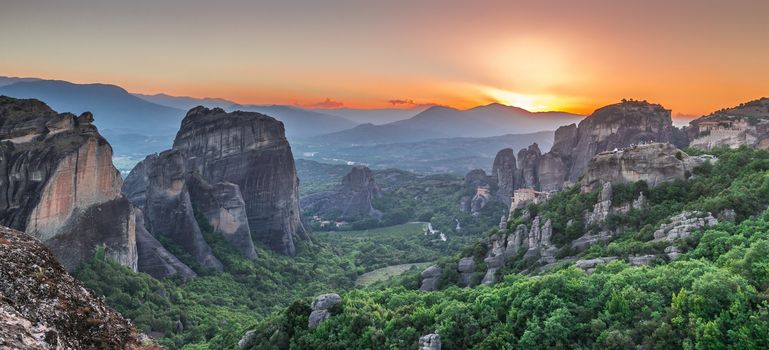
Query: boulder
{"type": "Point", "coordinates": [430, 278]}
{"type": "Point", "coordinates": [683, 224]}
{"type": "Point", "coordinates": [321, 308]}
{"type": "Point", "coordinates": [430, 341]}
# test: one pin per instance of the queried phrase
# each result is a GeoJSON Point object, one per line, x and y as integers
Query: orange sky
{"type": "Point", "coordinates": [691, 56]}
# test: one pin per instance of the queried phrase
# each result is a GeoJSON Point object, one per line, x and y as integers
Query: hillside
{"type": "Point", "coordinates": [709, 293]}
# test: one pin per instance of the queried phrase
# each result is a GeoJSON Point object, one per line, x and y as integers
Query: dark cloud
{"type": "Point", "coordinates": [327, 103]}
{"type": "Point", "coordinates": [410, 102]}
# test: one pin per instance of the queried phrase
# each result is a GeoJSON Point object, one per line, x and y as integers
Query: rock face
{"type": "Point", "coordinates": [430, 278]}
{"type": "Point", "coordinates": [240, 167]}
{"type": "Point", "coordinates": [430, 341]}
{"type": "Point", "coordinates": [505, 173]}
{"type": "Point", "coordinates": [466, 268]}
{"type": "Point", "coordinates": [533, 240]}
{"type": "Point", "coordinates": [250, 150]}
{"type": "Point", "coordinates": [43, 307]}
{"type": "Point", "coordinates": [169, 210]}
{"type": "Point", "coordinates": [154, 259]}
{"type": "Point", "coordinates": [351, 200]}
{"type": "Point", "coordinates": [528, 164]}
{"type": "Point", "coordinates": [60, 185]}
{"type": "Point", "coordinates": [223, 207]}
{"type": "Point", "coordinates": [746, 124]}
{"type": "Point", "coordinates": [654, 163]}
{"type": "Point", "coordinates": [321, 308]}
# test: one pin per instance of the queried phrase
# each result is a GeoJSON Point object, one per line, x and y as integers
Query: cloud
{"type": "Point", "coordinates": [409, 102]}
{"type": "Point", "coordinates": [327, 103]}
{"type": "Point", "coordinates": [397, 102]}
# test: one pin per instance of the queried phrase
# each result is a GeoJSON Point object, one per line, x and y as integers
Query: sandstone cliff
{"type": "Point", "coordinates": [59, 184]}
{"type": "Point", "coordinates": [242, 170]}
{"type": "Point", "coordinates": [351, 200]}
{"type": "Point", "coordinates": [43, 307]}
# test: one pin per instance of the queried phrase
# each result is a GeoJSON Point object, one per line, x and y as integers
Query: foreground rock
{"type": "Point", "coordinates": [241, 171]}
{"type": "Point", "coordinates": [351, 200]}
{"type": "Point", "coordinates": [60, 185]}
{"type": "Point", "coordinates": [43, 307]}
{"type": "Point", "coordinates": [430, 278]}
{"type": "Point", "coordinates": [321, 308]}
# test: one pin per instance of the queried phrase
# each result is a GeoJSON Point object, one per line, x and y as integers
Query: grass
{"type": "Point", "coordinates": [386, 273]}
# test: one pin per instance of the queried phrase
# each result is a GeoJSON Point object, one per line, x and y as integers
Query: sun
{"type": "Point", "coordinates": [532, 103]}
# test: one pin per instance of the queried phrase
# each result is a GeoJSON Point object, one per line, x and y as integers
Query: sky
{"type": "Point", "coordinates": [693, 57]}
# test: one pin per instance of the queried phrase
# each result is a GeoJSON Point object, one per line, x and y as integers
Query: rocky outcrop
{"type": "Point", "coordinates": [321, 308]}
{"type": "Point", "coordinates": [528, 165]}
{"type": "Point", "coordinates": [59, 184]}
{"type": "Point", "coordinates": [533, 240]}
{"type": "Point", "coordinates": [250, 150]}
{"type": "Point", "coordinates": [241, 167]}
{"type": "Point", "coordinates": [589, 265]}
{"type": "Point", "coordinates": [653, 163]}
{"type": "Point", "coordinates": [611, 127]}
{"type": "Point", "coordinates": [505, 172]}
{"type": "Point", "coordinates": [683, 224]}
{"type": "Point", "coordinates": [43, 307]}
{"type": "Point", "coordinates": [154, 259]}
{"type": "Point", "coordinates": [430, 278]}
{"type": "Point", "coordinates": [351, 200]}
{"type": "Point", "coordinates": [430, 341]}
{"type": "Point", "coordinates": [466, 269]}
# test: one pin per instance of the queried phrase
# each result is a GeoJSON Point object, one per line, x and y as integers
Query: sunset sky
{"type": "Point", "coordinates": [691, 56]}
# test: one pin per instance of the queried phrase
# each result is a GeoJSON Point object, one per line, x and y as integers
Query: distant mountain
{"type": "Point", "coordinates": [484, 121]}
{"type": "Point", "coordinates": [367, 134]}
{"type": "Point", "coordinates": [186, 103]}
{"type": "Point", "coordinates": [301, 123]}
{"type": "Point", "coordinates": [440, 155]}
{"type": "Point", "coordinates": [374, 116]}
{"type": "Point", "coordinates": [13, 80]}
{"type": "Point", "coordinates": [115, 109]}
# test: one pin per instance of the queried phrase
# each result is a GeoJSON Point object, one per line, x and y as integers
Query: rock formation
{"type": "Point", "coordinates": [528, 164]}
{"type": "Point", "coordinates": [683, 224]}
{"type": "Point", "coordinates": [466, 268]}
{"type": "Point", "coordinates": [746, 124]}
{"type": "Point", "coordinates": [351, 200]}
{"type": "Point", "coordinates": [430, 341]}
{"type": "Point", "coordinates": [43, 307]}
{"type": "Point", "coordinates": [430, 278]}
{"type": "Point", "coordinates": [533, 240]}
{"type": "Point", "coordinates": [60, 185]}
{"type": "Point", "coordinates": [242, 171]}
{"type": "Point", "coordinates": [169, 211]}
{"type": "Point", "coordinates": [654, 163]}
{"type": "Point", "coordinates": [505, 173]}
{"type": "Point", "coordinates": [611, 127]}
{"type": "Point", "coordinates": [321, 308]}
